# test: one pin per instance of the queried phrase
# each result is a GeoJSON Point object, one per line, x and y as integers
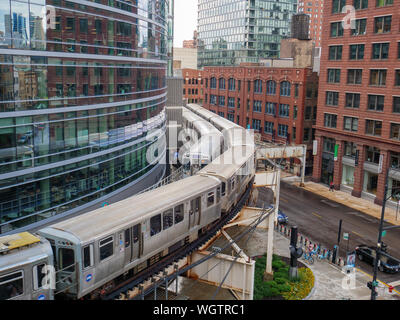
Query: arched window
{"type": "Point", "coordinates": [285, 88]}
{"type": "Point", "coordinates": [231, 84]}
{"type": "Point", "coordinates": [271, 87]}
{"type": "Point", "coordinates": [222, 83]}
{"type": "Point", "coordinates": [213, 83]}
{"type": "Point", "coordinates": [257, 86]}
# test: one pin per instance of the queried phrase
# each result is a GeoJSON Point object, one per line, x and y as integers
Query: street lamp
{"type": "Point", "coordinates": [381, 229]}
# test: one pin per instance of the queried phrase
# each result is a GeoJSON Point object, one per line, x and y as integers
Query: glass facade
{"type": "Point", "coordinates": [82, 96]}
{"type": "Point", "coordinates": [235, 31]}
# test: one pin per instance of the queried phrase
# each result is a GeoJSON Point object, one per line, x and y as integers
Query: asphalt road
{"type": "Point", "coordinates": [318, 218]}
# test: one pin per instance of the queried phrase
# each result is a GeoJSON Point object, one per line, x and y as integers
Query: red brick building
{"type": "Point", "coordinates": [358, 121]}
{"type": "Point", "coordinates": [193, 85]}
{"type": "Point", "coordinates": [279, 103]}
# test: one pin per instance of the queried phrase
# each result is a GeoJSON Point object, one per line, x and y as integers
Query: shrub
{"type": "Point", "coordinates": [281, 285]}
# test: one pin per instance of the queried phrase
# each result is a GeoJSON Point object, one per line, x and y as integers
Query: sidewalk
{"type": "Point", "coordinates": [333, 284]}
{"type": "Point", "coordinates": [347, 199]}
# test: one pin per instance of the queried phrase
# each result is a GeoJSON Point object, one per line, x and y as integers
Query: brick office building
{"type": "Point", "coordinates": [279, 103]}
{"type": "Point", "coordinates": [358, 121]}
{"type": "Point", "coordinates": [193, 85]}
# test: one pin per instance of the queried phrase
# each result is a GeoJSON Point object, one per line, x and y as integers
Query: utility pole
{"type": "Point", "coordinates": [379, 244]}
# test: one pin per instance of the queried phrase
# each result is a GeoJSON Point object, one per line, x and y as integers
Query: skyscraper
{"type": "Point", "coordinates": [81, 104]}
{"type": "Point", "coordinates": [235, 31]}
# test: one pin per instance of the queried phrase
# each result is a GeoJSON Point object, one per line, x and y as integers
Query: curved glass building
{"type": "Point", "coordinates": [82, 96]}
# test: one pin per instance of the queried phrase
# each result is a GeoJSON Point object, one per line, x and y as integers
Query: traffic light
{"type": "Point", "coordinates": [369, 285]}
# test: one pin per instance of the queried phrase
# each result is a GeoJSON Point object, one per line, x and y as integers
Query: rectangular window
{"type": "Point", "coordinates": [396, 104]}
{"type": "Point", "coordinates": [376, 103]}
{"type": "Point", "coordinates": [397, 78]}
{"type": "Point", "coordinates": [11, 285]}
{"type": "Point", "coordinates": [210, 199]}
{"type": "Point", "coordinates": [282, 130]}
{"type": "Point", "coordinates": [336, 29]}
{"type": "Point", "coordinates": [395, 131]}
{"type": "Point", "coordinates": [356, 52]}
{"type": "Point", "coordinates": [155, 225]}
{"type": "Point", "coordinates": [270, 108]}
{"type": "Point", "coordinates": [88, 258]}
{"type": "Point", "coordinates": [307, 113]}
{"type": "Point", "coordinates": [380, 50]}
{"type": "Point", "coordinates": [377, 77]}
{"type": "Point", "coordinates": [383, 24]}
{"type": "Point", "coordinates": [333, 76]}
{"type": "Point", "coordinates": [373, 127]}
{"type": "Point", "coordinates": [330, 120]}
{"type": "Point", "coordinates": [284, 110]}
{"type": "Point", "coordinates": [268, 127]}
{"type": "Point", "coordinates": [354, 76]}
{"type": "Point", "coordinates": [66, 259]}
{"type": "Point", "coordinates": [383, 3]}
{"type": "Point", "coordinates": [360, 27]}
{"type": "Point", "coordinates": [352, 100]}
{"type": "Point", "coordinates": [350, 124]}
{"type": "Point", "coordinates": [306, 135]}
{"type": "Point", "coordinates": [372, 155]}
{"type": "Point", "coordinates": [178, 212]}
{"type": "Point", "coordinates": [332, 98]}
{"type": "Point", "coordinates": [337, 5]}
{"type": "Point", "coordinates": [335, 52]}
{"type": "Point", "coordinates": [83, 25]}
{"type": "Point", "coordinates": [106, 247]}
{"type": "Point", "coordinates": [350, 149]}
{"type": "Point", "coordinates": [360, 4]}
{"type": "Point", "coordinates": [168, 219]}
{"type": "Point", "coordinates": [231, 102]}
{"type": "Point", "coordinates": [221, 101]}
{"type": "Point", "coordinates": [38, 276]}
{"type": "Point", "coordinates": [257, 106]}
{"type": "Point", "coordinates": [70, 24]}
{"type": "Point", "coordinates": [256, 124]}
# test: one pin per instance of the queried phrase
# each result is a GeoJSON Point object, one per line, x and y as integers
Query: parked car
{"type": "Point", "coordinates": [387, 264]}
{"type": "Point", "coordinates": [282, 218]}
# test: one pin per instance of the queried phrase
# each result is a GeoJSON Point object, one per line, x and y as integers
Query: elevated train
{"type": "Point", "coordinates": [92, 252]}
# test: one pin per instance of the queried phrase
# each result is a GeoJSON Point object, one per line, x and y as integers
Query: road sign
{"type": "Point", "coordinates": [380, 163]}
{"type": "Point", "coordinates": [345, 236]}
{"type": "Point", "coordinates": [336, 152]}
{"type": "Point", "coordinates": [315, 147]}
{"type": "Point", "coordinates": [383, 233]}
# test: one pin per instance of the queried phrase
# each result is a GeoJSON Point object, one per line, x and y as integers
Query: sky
{"type": "Point", "coordinates": [185, 21]}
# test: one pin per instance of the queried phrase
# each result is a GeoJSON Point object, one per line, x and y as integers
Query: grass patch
{"type": "Point", "coordinates": [281, 287]}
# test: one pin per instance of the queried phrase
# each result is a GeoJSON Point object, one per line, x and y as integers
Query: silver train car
{"type": "Point", "coordinates": [24, 268]}
{"type": "Point", "coordinates": [93, 252]}
{"type": "Point", "coordinates": [207, 145]}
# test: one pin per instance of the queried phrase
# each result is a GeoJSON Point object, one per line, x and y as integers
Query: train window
{"type": "Point", "coordinates": [233, 183]}
{"type": "Point", "coordinates": [135, 233]}
{"type": "Point", "coordinates": [155, 225]}
{"type": "Point", "coordinates": [106, 247]}
{"type": "Point", "coordinates": [11, 285]}
{"type": "Point", "coordinates": [67, 259]}
{"type": "Point", "coordinates": [127, 238]}
{"type": "Point", "coordinates": [88, 258]}
{"type": "Point", "coordinates": [210, 199]}
{"type": "Point", "coordinates": [223, 189]}
{"type": "Point", "coordinates": [38, 275]}
{"type": "Point", "coordinates": [218, 194]}
{"type": "Point", "coordinates": [168, 219]}
{"type": "Point", "coordinates": [178, 213]}
{"type": "Point", "coordinates": [195, 204]}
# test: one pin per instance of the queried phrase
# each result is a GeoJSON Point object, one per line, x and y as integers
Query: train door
{"type": "Point", "coordinates": [132, 243]}
{"type": "Point", "coordinates": [194, 212]}
{"type": "Point", "coordinates": [66, 277]}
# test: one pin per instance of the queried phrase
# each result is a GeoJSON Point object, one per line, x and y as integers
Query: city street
{"type": "Point", "coordinates": [318, 218]}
